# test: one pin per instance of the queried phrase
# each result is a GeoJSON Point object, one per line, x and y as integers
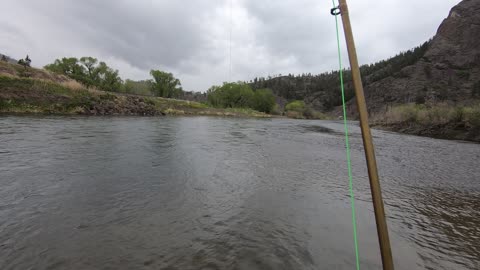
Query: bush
{"type": "Point", "coordinates": [403, 113]}
{"type": "Point", "coordinates": [297, 109]}
{"type": "Point", "coordinates": [440, 114]}
{"type": "Point", "coordinates": [264, 100]}
{"type": "Point", "coordinates": [240, 95]}
{"type": "Point", "coordinates": [296, 106]}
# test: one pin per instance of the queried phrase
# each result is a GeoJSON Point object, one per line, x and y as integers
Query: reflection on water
{"type": "Point", "coordinates": [215, 193]}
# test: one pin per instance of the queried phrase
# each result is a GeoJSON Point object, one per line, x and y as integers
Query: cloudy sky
{"type": "Point", "coordinates": [191, 39]}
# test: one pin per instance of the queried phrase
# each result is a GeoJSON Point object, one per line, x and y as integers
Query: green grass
{"type": "Point", "coordinates": [28, 95]}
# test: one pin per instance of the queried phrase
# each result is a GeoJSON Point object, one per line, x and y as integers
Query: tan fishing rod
{"type": "Point", "coordinates": [382, 230]}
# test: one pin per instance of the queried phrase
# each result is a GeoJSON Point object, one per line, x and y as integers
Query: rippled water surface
{"type": "Point", "coordinates": [217, 193]}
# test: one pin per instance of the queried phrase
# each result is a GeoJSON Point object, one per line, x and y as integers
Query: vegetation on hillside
{"type": "Point", "coordinates": [299, 110]}
{"type": "Point", "coordinates": [440, 120]}
{"type": "Point", "coordinates": [88, 71]}
{"type": "Point", "coordinates": [305, 86]}
{"type": "Point", "coordinates": [142, 87]}
{"type": "Point", "coordinates": [29, 95]}
{"type": "Point", "coordinates": [164, 84]}
{"type": "Point", "coordinates": [97, 74]}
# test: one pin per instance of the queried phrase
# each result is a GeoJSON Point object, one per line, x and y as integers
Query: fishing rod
{"type": "Point", "coordinates": [382, 230]}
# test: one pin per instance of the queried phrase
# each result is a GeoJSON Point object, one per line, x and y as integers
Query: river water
{"type": "Point", "coordinates": [225, 193]}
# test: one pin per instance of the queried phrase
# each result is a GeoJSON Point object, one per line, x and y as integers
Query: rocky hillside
{"type": "Point", "coordinates": [8, 58]}
{"type": "Point", "coordinates": [31, 90]}
{"type": "Point", "coordinates": [444, 69]}
{"type": "Point", "coordinates": [449, 71]}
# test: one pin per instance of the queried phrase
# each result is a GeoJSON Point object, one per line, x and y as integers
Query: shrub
{"type": "Point", "coordinates": [440, 114]}
{"type": "Point", "coordinates": [295, 115]}
{"type": "Point", "coordinates": [297, 109]}
{"type": "Point", "coordinates": [263, 100]}
{"type": "Point", "coordinates": [296, 106]}
{"type": "Point", "coordinates": [240, 95]}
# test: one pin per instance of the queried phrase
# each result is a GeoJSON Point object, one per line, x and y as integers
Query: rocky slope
{"type": "Point", "coordinates": [444, 69]}
{"type": "Point", "coordinates": [448, 72]}
{"type": "Point", "coordinates": [31, 90]}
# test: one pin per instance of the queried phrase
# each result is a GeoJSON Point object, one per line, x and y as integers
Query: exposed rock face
{"type": "Point", "coordinates": [449, 71]}
{"type": "Point", "coordinates": [456, 44]}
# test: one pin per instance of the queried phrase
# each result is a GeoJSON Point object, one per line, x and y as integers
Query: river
{"type": "Point", "coordinates": [227, 193]}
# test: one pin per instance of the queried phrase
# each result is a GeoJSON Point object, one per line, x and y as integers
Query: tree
{"type": "Point", "coordinates": [231, 95]}
{"type": "Point", "coordinates": [106, 78]}
{"type": "Point", "coordinates": [90, 65]}
{"type": "Point", "coordinates": [263, 100]}
{"type": "Point", "coordinates": [25, 62]}
{"type": "Point", "coordinates": [69, 67]}
{"type": "Point", "coordinates": [28, 61]}
{"type": "Point", "coordinates": [88, 71]}
{"type": "Point", "coordinates": [137, 87]}
{"type": "Point", "coordinates": [4, 58]}
{"type": "Point", "coordinates": [164, 84]}
{"type": "Point", "coordinates": [296, 106]}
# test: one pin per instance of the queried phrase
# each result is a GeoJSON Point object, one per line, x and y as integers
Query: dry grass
{"type": "Point", "coordinates": [73, 85]}
{"type": "Point", "coordinates": [438, 114]}
{"type": "Point", "coordinates": [295, 115]}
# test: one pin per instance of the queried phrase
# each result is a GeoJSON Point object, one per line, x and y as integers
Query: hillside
{"type": "Point", "coordinates": [8, 58]}
{"type": "Point", "coordinates": [31, 90]}
{"type": "Point", "coordinates": [431, 90]}
{"type": "Point", "coordinates": [449, 70]}
{"type": "Point", "coordinates": [446, 68]}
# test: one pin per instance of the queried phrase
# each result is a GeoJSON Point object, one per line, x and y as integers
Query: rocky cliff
{"type": "Point", "coordinates": [449, 71]}
{"type": "Point", "coordinates": [445, 69]}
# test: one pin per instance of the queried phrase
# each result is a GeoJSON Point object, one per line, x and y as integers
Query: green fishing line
{"type": "Point", "coordinates": [347, 144]}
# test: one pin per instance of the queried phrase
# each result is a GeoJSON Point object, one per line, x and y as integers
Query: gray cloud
{"type": "Point", "coordinates": [191, 38]}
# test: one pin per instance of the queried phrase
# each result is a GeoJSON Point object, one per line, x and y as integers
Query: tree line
{"type": "Point", "coordinates": [241, 95]}
{"type": "Point", "coordinates": [321, 91]}
{"type": "Point", "coordinates": [324, 88]}
{"type": "Point", "coordinates": [93, 73]}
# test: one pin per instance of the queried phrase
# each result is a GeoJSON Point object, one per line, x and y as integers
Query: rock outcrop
{"type": "Point", "coordinates": [448, 72]}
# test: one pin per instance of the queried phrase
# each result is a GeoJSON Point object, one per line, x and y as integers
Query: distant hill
{"type": "Point", "coordinates": [448, 71]}
{"type": "Point", "coordinates": [323, 91]}
{"type": "Point", "coordinates": [444, 69]}
{"type": "Point", "coordinates": [10, 60]}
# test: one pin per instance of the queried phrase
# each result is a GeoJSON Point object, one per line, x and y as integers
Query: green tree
{"type": "Point", "coordinates": [25, 62]}
{"type": "Point", "coordinates": [264, 100]}
{"type": "Point", "coordinates": [88, 71]}
{"type": "Point", "coordinates": [107, 78]}
{"type": "Point", "coordinates": [69, 67]}
{"type": "Point", "coordinates": [231, 95]}
{"type": "Point", "coordinates": [296, 106]}
{"type": "Point", "coordinates": [137, 87]}
{"type": "Point", "coordinates": [89, 63]}
{"type": "Point", "coordinates": [164, 84]}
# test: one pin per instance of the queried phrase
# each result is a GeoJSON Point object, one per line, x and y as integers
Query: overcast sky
{"type": "Point", "coordinates": [191, 38]}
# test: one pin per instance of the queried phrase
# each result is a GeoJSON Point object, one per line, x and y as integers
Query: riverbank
{"type": "Point", "coordinates": [442, 121]}
{"type": "Point", "coordinates": [65, 96]}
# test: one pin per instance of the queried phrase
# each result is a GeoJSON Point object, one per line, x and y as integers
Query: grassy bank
{"type": "Point", "coordinates": [439, 121]}
{"type": "Point", "coordinates": [64, 96]}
